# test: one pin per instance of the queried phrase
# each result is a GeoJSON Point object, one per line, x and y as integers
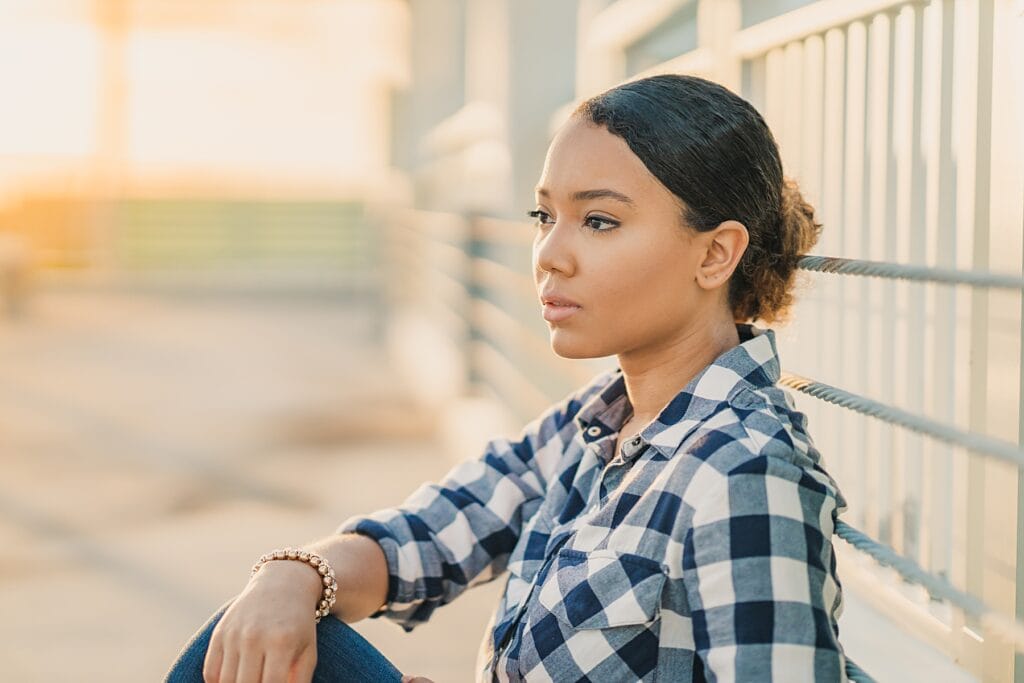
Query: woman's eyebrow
{"type": "Point", "coordinates": [584, 195]}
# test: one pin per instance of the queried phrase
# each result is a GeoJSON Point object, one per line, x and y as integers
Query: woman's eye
{"type": "Point", "coordinates": [540, 217]}
{"type": "Point", "coordinates": [594, 223]}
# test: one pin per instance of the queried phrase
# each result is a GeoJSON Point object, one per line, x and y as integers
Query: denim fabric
{"type": "Point", "coordinates": [342, 655]}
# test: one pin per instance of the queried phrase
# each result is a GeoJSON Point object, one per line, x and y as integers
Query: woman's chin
{"type": "Point", "coordinates": [568, 345]}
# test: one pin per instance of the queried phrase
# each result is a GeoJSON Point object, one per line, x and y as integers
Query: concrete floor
{"type": "Point", "coordinates": [154, 446]}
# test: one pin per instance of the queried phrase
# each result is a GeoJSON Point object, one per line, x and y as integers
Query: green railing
{"type": "Point", "coordinates": [183, 234]}
{"type": "Point", "coordinates": [471, 276]}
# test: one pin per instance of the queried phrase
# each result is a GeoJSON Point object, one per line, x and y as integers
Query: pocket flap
{"type": "Point", "coordinates": [602, 588]}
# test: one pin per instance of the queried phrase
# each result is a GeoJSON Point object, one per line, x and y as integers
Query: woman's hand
{"type": "Point", "coordinates": [268, 634]}
{"type": "Point", "coordinates": [415, 679]}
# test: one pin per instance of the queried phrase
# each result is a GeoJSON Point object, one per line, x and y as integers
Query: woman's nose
{"type": "Point", "coordinates": [553, 249]}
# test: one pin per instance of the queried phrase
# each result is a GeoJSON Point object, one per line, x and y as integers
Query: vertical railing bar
{"type": "Point", "coordinates": [793, 116]}
{"type": "Point", "coordinates": [887, 180]}
{"type": "Point", "coordinates": [902, 129]}
{"type": "Point", "coordinates": [1018, 660]}
{"type": "Point", "coordinates": [757, 79]}
{"type": "Point", "coordinates": [883, 216]}
{"type": "Point", "coordinates": [939, 511]}
{"type": "Point", "coordinates": [790, 141]}
{"type": "Point", "coordinates": [913, 223]}
{"type": "Point", "coordinates": [853, 297]}
{"type": "Point", "coordinates": [472, 246]}
{"type": "Point", "coordinates": [921, 325]}
{"type": "Point", "coordinates": [978, 354]}
{"type": "Point", "coordinates": [775, 90]}
{"type": "Point", "coordinates": [926, 326]}
{"type": "Point", "coordinates": [871, 247]}
{"type": "Point", "coordinates": [813, 55]}
{"type": "Point", "coordinates": [832, 212]}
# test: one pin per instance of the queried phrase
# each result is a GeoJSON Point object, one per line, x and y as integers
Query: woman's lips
{"type": "Point", "coordinates": [554, 313]}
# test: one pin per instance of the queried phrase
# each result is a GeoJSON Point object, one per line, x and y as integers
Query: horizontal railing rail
{"type": "Point", "coordinates": [977, 443]}
{"type": "Point", "coordinates": [1008, 628]}
{"type": "Point", "coordinates": [915, 273]}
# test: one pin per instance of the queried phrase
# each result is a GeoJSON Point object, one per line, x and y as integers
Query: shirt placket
{"type": "Point", "coordinates": [513, 627]}
{"type": "Point", "coordinates": [521, 610]}
{"type": "Point", "coordinates": [610, 477]}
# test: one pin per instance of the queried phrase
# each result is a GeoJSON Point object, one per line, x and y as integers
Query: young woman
{"type": "Point", "coordinates": [668, 521]}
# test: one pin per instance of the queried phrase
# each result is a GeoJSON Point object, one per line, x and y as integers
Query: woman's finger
{"type": "Point", "coordinates": [229, 667]}
{"type": "Point", "coordinates": [212, 662]}
{"type": "Point", "coordinates": [275, 666]}
{"type": "Point", "coordinates": [250, 666]}
{"type": "Point", "coordinates": [303, 667]}
{"type": "Point", "coordinates": [415, 679]}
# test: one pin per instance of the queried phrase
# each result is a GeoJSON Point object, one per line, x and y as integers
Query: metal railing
{"type": "Point", "coordinates": [920, 351]}
{"type": "Point", "coordinates": [470, 274]}
{"type": "Point", "coordinates": [860, 95]}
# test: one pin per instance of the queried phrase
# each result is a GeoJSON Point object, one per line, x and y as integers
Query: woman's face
{"type": "Point", "coordinates": [610, 239]}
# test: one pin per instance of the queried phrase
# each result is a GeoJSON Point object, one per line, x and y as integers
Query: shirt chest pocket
{"type": "Point", "coordinates": [602, 588]}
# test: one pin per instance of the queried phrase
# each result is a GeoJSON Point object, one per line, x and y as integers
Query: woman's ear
{"type": "Point", "coordinates": [723, 248]}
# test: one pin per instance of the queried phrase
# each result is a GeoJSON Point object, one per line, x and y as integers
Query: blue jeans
{"type": "Point", "coordinates": [342, 655]}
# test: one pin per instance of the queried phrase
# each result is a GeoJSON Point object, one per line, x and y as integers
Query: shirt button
{"type": "Point", "coordinates": [636, 441]}
{"type": "Point", "coordinates": [594, 431]}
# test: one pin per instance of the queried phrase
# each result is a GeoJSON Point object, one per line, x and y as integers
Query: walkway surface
{"type": "Point", "coordinates": [154, 446]}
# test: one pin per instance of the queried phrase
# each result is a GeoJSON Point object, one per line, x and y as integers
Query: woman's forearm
{"type": "Point", "coordinates": [359, 567]}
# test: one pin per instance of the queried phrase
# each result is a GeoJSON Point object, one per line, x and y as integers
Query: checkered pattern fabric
{"type": "Point", "coordinates": [700, 551]}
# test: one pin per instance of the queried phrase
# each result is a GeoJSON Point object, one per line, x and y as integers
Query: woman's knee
{"type": "Point", "coordinates": [188, 667]}
{"type": "Point", "coordinates": [342, 655]}
{"type": "Point", "coordinates": [345, 656]}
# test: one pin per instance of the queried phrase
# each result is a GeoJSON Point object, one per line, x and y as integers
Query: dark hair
{"type": "Point", "coordinates": [714, 151]}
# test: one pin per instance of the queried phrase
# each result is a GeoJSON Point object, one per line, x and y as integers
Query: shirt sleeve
{"type": "Point", "coordinates": [459, 532]}
{"type": "Point", "coordinates": [759, 568]}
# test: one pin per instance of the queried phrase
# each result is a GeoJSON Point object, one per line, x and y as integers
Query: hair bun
{"type": "Point", "coordinates": [771, 269]}
{"type": "Point", "coordinates": [798, 230]}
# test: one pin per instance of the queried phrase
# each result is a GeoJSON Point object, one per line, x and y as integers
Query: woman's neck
{"type": "Point", "coordinates": [654, 376]}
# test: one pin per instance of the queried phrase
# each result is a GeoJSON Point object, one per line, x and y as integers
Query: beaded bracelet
{"type": "Point", "coordinates": [330, 589]}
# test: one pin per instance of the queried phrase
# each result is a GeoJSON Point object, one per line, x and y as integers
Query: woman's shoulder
{"type": "Point", "coordinates": [770, 420]}
{"type": "Point", "coordinates": [759, 433]}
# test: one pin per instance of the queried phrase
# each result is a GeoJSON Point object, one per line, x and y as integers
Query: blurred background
{"type": "Point", "coordinates": [264, 264]}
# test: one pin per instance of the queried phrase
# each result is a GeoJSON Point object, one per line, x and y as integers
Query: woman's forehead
{"type": "Point", "coordinates": [586, 162]}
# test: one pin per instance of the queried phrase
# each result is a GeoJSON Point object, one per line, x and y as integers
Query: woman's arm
{"type": "Point", "coordinates": [459, 532]}
{"type": "Point", "coordinates": [268, 632]}
{"type": "Point", "coordinates": [359, 567]}
{"type": "Point", "coordinates": [401, 562]}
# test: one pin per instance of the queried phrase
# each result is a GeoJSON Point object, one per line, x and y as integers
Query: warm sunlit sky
{"type": "Point", "coordinates": [259, 91]}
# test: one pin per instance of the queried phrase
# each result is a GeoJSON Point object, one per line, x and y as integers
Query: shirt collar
{"type": "Point", "coordinates": [752, 364]}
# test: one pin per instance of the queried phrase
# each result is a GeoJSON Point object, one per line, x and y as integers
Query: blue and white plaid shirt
{"type": "Point", "coordinates": [701, 551]}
